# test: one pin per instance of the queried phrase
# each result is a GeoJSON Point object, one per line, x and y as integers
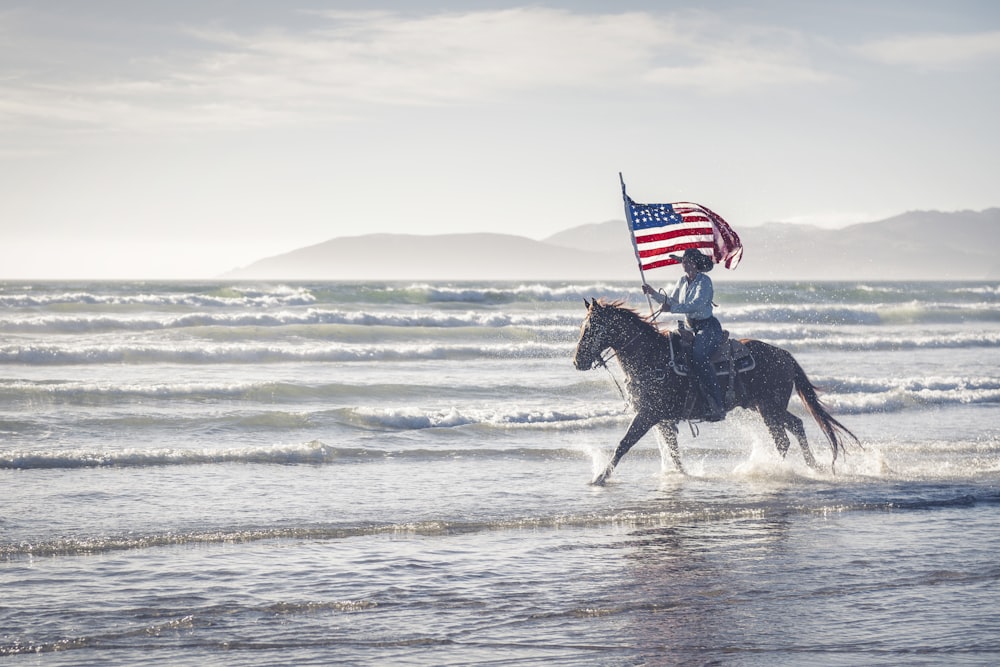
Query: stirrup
{"type": "Point", "coordinates": [730, 399]}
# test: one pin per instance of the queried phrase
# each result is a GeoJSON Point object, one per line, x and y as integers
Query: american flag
{"type": "Point", "coordinates": [660, 230]}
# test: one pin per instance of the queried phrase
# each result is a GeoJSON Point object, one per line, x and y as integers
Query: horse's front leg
{"type": "Point", "coordinates": [668, 439]}
{"type": "Point", "coordinates": [640, 425]}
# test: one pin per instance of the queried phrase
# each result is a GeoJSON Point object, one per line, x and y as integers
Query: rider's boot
{"type": "Point", "coordinates": [713, 411]}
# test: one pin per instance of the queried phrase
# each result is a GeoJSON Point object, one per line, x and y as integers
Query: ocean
{"type": "Point", "coordinates": [238, 473]}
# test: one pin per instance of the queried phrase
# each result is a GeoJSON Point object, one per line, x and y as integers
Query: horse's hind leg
{"type": "Point", "coordinates": [794, 424]}
{"type": "Point", "coordinates": [668, 441]}
{"type": "Point", "coordinates": [776, 425]}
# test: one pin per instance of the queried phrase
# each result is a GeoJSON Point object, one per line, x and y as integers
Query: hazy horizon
{"type": "Point", "coordinates": [179, 140]}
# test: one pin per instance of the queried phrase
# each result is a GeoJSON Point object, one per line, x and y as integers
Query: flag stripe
{"type": "Point", "coordinates": [676, 247]}
{"type": "Point", "coordinates": [656, 265]}
{"type": "Point", "coordinates": [674, 233]}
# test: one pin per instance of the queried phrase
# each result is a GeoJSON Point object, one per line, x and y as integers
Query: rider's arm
{"type": "Point", "coordinates": [655, 295]}
{"type": "Point", "coordinates": [660, 297]}
{"type": "Point", "coordinates": [697, 298]}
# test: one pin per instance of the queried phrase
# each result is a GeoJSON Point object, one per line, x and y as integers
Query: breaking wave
{"type": "Point", "coordinates": [194, 353]}
{"type": "Point", "coordinates": [313, 453]}
{"type": "Point", "coordinates": [134, 295]}
{"type": "Point", "coordinates": [733, 316]}
{"type": "Point", "coordinates": [309, 317]}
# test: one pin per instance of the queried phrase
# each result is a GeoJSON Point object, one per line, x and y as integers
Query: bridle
{"type": "Point", "coordinates": [602, 361]}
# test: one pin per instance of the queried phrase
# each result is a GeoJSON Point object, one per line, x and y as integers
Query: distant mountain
{"type": "Point", "coordinates": [437, 257]}
{"type": "Point", "coordinates": [919, 245]}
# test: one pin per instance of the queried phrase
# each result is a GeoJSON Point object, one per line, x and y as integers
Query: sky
{"type": "Point", "coordinates": [179, 139]}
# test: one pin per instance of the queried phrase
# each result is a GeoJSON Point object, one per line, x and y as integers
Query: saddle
{"type": "Point", "coordinates": [730, 359]}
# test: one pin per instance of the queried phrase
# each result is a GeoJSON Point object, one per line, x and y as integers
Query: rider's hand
{"type": "Point", "coordinates": [648, 289]}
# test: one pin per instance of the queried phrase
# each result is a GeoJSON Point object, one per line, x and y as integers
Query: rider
{"type": "Point", "coordinates": [693, 297]}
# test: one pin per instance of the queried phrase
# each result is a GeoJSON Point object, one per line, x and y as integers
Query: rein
{"type": "Point", "coordinates": [604, 357]}
{"type": "Point", "coordinates": [603, 361]}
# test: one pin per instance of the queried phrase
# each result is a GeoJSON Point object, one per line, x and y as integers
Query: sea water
{"type": "Point", "coordinates": [397, 473]}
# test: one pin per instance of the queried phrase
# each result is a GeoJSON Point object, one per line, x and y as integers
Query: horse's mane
{"type": "Point", "coordinates": [619, 306]}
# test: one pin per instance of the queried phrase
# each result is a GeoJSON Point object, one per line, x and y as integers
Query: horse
{"type": "Point", "coordinates": [660, 397]}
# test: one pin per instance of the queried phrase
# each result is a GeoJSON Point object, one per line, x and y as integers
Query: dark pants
{"type": "Point", "coordinates": [707, 336]}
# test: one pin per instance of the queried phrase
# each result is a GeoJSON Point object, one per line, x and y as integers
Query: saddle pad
{"type": "Point", "coordinates": [737, 349]}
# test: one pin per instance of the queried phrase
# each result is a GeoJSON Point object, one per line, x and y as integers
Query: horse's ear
{"type": "Point", "coordinates": [585, 303]}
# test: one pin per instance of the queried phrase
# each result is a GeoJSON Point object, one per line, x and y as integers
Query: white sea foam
{"type": "Point", "coordinates": [399, 345]}
{"type": "Point", "coordinates": [874, 341]}
{"type": "Point", "coordinates": [913, 312]}
{"type": "Point", "coordinates": [903, 397]}
{"type": "Point", "coordinates": [986, 290]}
{"type": "Point", "coordinates": [418, 418]}
{"type": "Point", "coordinates": [523, 292]}
{"type": "Point", "coordinates": [227, 298]}
{"type": "Point", "coordinates": [249, 353]}
{"type": "Point", "coordinates": [311, 453]}
{"type": "Point", "coordinates": [311, 316]}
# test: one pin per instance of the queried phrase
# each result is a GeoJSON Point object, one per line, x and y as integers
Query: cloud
{"type": "Point", "coordinates": [935, 51]}
{"type": "Point", "coordinates": [449, 58]}
{"type": "Point", "coordinates": [345, 63]}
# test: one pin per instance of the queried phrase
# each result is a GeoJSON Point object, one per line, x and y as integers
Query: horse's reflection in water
{"type": "Point", "coordinates": [659, 398]}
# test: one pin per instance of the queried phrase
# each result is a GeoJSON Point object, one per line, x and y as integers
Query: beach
{"type": "Point", "coordinates": [313, 473]}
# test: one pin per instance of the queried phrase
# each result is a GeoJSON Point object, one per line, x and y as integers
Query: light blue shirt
{"type": "Point", "coordinates": [692, 298]}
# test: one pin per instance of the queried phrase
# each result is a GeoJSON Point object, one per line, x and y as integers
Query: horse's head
{"type": "Point", "coordinates": [596, 335]}
{"type": "Point", "coordinates": [610, 324]}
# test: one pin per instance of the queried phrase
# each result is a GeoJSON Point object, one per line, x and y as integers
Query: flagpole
{"type": "Point", "coordinates": [635, 247]}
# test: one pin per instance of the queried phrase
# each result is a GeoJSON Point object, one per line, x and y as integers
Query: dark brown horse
{"type": "Point", "coordinates": [659, 396]}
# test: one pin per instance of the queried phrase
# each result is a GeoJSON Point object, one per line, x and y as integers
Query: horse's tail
{"type": "Point", "coordinates": [833, 429]}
